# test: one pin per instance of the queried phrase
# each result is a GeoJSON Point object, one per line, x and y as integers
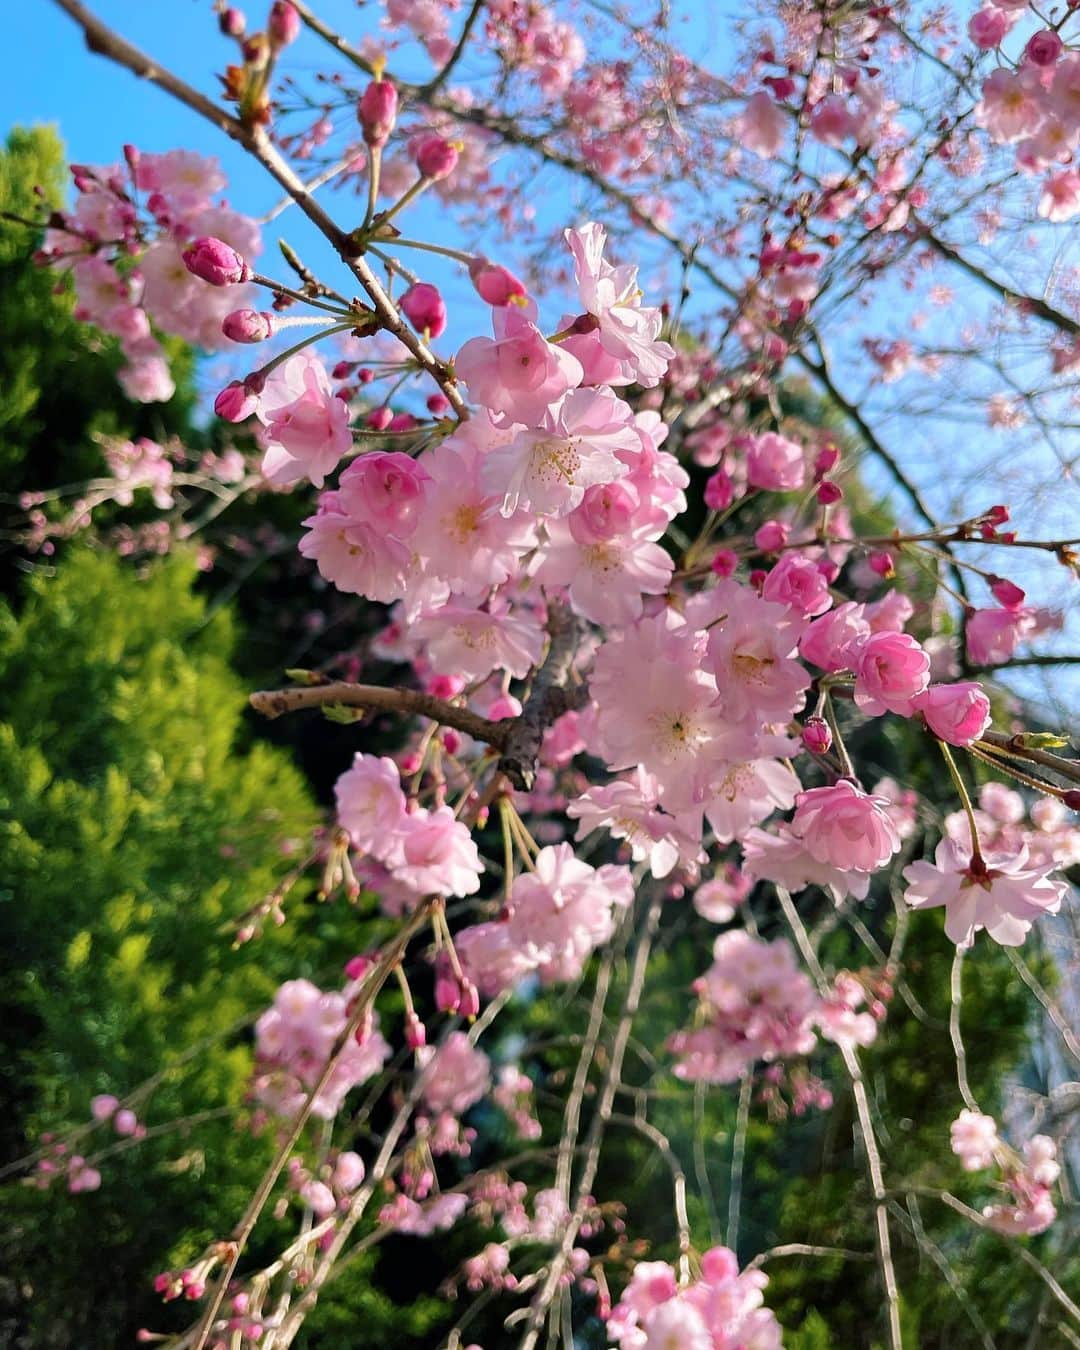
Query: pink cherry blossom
{"type": "Point", "coordinates": [974, 1140]}
{"type": "Point", "coordinates": [890, 670]}
{"type": "Point", "coordinates": [517, 373]}
{"type": "Point", "coordinates": [845, 827]}
{"type": "Point", "coordinates": [762, 125]}
{"type": "Point", "coordinates": [456, 1074]}
{"type": "Point", "coordinates": [775, 463]}
{"type": "Point", "coordinates": [548, 469]}
{"type": "Point", "coordinates": [628, 330]}
{"type": "Point", "coordinates": [438, 854]}
{"type": "Point", "coordinates": [956, 713]}
{"type": "Point", "coordinates": [307, 426]}
{"type": "Point", "coordinates": [1001, 893]}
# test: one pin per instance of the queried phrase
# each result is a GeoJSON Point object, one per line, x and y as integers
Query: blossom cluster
{"type": "Point", "coordinates": [123, 244]}
{"type": "Point", "coordinates": [721, 1310]}
{"type": "Point", "coordinates": [1028, 1178]}
{"type": "Point", "coordinates": [294, 1041]}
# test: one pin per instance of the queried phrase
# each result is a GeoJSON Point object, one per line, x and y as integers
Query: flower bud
{"type": "Point", "coordinates": [438, 405]}
{"type": "Point", "coordinates": [357, 966]}
{"type": "Point", "coordinates": [1043, 48]}
{"type": "Point", "coordinates": [827, 458]}
{"type": "Point", "coordinates": [379, 418]}
{"type": "Point", "coordinates": [415, 1032]}
{"type": "Point", "coordinates": [719, 491]}
{"type": "Point", "coordinates": [248, 325]}
{"type": "Point", "coordinates": [1006, 593]}
{"type": "Point", "coordinates": [724, 562]}
{"type": "Point", "coordinates": [377, 111]}
{"type": "Point", "coordinates": [829, 493]}
{"type": "Point", "coordinates": [771, 536]}
{"type": "Point", "coordinates": [425, 309]}
{"type": "Point", "coordinates": [495, 284]}
{"type": "Point", "coordinates": [881, 563]}
{"type": "Point", "coordinates": [816, 735]}
{"type": "Point", "coordinates": [1071, 798]}
{"type": "Point", "coordinates": [232, 22]}
{"type": "Point", "coordinates": [213, 260]}
{"type": "Point", "coordinates": [235, 403]}
{"type": "Point", "coordinates": [470, 998]}
{"type": "Point", "coordinates": [284, 24]}
{"type": "Point", "coordinates": [435, 157]}
{"type": "Point", "coordinates": [125, 1122]}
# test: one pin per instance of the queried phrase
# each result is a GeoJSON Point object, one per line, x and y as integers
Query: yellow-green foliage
{"type": "Point", "coordinates": [135, 823]}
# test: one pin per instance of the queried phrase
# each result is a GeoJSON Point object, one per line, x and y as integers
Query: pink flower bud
{"type": "Point", "coordinates": [438, 405]}
{"type": "Point", "coordinates": [234, 403]}
{"type": "Point", "coordinates": [1006, 593]}
{"type": "Point", "coordinates": [494, 284]}
{"type": "Point", "coordinates": [447, 992]}
{"type": "Point", "coordinates": [103, 1106]}
{"type": "Point", "coordinates": [356, 967]}
{"type": "Point", "coordinates": [829, 493]}
{"type": "Point", "coordinates": [284, 24]}
{"type": "Point", "coordinates": [415, 1032]}
{"type": "Point", "coordinates": [997, 515]}
{"type": "Point", "coordinates": [771, 536]}
{"type": "Point", "coordinates": [881, 563]}
{"type": "Point", "coordinates": [719, 491]}
{"type": "Point", "coordinates": [125, 1122]}
{"type": "Point", "coordinates": [987, 28]}
{"type": "Point", "coordinates": [425, 309]}
{"type": "Point", "coordinates": [377, 111]}
{"type": "Point", "coordinates": [829, 570]}
{"type": "Point", "coordinates": [1044, 47]}
{"type": "Point", "coordinates": [724, 562]}
{"type": "Point", "coordinates": [248, 325]}
{"type": "Point", "coordinates": [379, 418]}
{"type": "Point", "coordinates": [1071, 799]}
{"type": "Point", "coordinates": [403, 421]}
{"type": "Point", "coordinates": [470, 998]}
{"type": "Point", "coordinates": [232, 22]}
{"type": "Point", "coordinates": [827, 458]}
{"type": "Point", "coordinates": [214, 261]}
{"type": "Point", "coordinates": [435, 157]}
{"type": "Point", "coordinates": [816, 735]}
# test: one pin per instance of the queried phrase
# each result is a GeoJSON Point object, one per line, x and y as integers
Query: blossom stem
{"type": "Point", "coordinates": [454, 253]}
{"type": "Point", "coordinates": [965, 799]}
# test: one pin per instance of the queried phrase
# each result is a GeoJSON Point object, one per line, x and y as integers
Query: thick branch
{"type": "Point", "coordinates": [550, 697]}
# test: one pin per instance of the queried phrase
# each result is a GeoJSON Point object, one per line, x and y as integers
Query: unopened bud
{"type": "Point", "coordinates": [284, 25]}
{"type": "Point", "coordinates": [425, 308]}
{"type": "Point", "coordinates": [816, 735]}
{"type": "Point", "coordinates": [249, 325]}
{"type": "Point", "coordinates": [435, 157]}
{"type": "Point", "coordinates": [379, 418]}
{"type": "Point", "coordinates": [377, 111]}
{"type": "Point", "coordinates": [882, 564]}
{"type": "Point", "coordinates": [235, 403]}
{"type": "Point", "coordinates": [719, 491]}
{"type": "Point", "coordinates": [495, 284]}
{"type": "Point", "coordinates": [214, 261]}
{"type": "Point", "coordinates": [232, 22]}
{"type": "Point", "coordinates": [829, 493]}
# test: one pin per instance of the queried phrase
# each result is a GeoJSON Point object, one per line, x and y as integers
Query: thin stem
{"type": "Point", "coordinates": [955, 999]}
{"type": "Point", "coordinates": [738, 1158]}
{"type": "Point", "coordinates": [969, 810]}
